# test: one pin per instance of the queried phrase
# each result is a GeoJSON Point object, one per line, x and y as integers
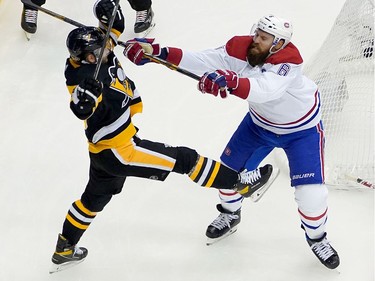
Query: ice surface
{"type": "Point", "coordinates": [153, 230]}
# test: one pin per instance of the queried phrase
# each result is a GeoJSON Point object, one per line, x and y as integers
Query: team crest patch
{"type": "Point", "coordinates": [227, 151]}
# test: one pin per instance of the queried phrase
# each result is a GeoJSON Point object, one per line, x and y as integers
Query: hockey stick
{"type": "Point", "coordinates": [53, 14]}
{"type": "Point", "coordinates": [113, 16]}
{"type": "Point", "coordinates": [75, 23]}
{"type": "Point", "coordinates": [360, 181]}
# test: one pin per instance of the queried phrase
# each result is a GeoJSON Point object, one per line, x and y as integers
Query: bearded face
{"type": "Point", "coordinates": [259, 49]}
{"type": "Point", "coordinates": [255, 55]}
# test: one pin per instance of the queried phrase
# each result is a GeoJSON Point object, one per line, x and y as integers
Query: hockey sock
{"type": "Point", "coordinates": [210, 173]}
{"type": "Point", "coordinates": [76, 222]}
{"type": "Point", "coordinates": [230, 200]}
{"type": "Point", "coordinates": [312, 208]}
{"type": "Point", "coordinates": [314, 226]}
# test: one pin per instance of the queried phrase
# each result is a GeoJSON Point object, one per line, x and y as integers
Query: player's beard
{"type": "Point", "coordinates": [254, 56]}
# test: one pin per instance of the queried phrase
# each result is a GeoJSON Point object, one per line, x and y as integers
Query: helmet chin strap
{"type": "Point", "coordinates": [275, 42]}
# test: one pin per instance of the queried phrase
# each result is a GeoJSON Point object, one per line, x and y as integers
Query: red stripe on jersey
{"type": "Point", "coordinates": [321, 144]}
{"type": "Point", "coordinates": [312, 109]}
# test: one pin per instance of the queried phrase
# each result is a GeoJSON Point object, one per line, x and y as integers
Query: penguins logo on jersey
{"type": "Point", "coordinates": [119, 82]}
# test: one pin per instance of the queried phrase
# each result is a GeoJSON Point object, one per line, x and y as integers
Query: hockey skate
{"type": "Point", "coordinates": [255, 197]}
{"type": "Point", "coordinates": [144, 22]}
{"type": "Point", "coordinates": [29, 21]}
{"type": "Point", "coordinates": [326, 254]}
{"type": "Point", "coordinates": [223, 226]}
{"type": "Point", "coordinates": [66, 255]}
{"type": "Point", "coordinates": [255, 183]}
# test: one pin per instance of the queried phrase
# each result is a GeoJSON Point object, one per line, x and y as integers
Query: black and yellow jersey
{"type": "Point", "coordinates": [110, 124]}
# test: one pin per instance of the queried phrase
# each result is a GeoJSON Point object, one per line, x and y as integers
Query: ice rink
{"type": "Point", "coordinates": [155, 230]}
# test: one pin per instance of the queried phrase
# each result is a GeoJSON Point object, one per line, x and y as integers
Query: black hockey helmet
{"type": "Point", "coordinates": [83, 40]}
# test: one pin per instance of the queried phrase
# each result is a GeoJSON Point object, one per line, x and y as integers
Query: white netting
{"type": "Point", "coordinates": [343, 68]}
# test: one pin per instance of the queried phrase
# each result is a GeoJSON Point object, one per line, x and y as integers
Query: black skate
{"type": "Point", "coordinates": [29, 19]}
{"type": "Point", "coordinates": [223, 226]}
{"type": "Point", "coordinates": [250, 182]}
{"type": "Point", "coordinates": [144, 22]}
{"type": "Point", "coordinates": [66, 255]}
{"type": "Point", "coordinates": [326, 254]}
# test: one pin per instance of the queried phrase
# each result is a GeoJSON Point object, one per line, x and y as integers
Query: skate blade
{"type": "Point", "coordinates": [59, 267]}
{"type": "Point", "coordinates": [211, 241]}
{"type": "Point", "coordinates": [28, 35]}
{"type": "Point", "coordinates": [146, 32]}
{"type": "Point", "coordinates": [260, 192]}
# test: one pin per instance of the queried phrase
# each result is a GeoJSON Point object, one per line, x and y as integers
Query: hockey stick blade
{"type": "Point", "coordinates": [360, 181]}
{"type": "Point", "coordinates": [53, 14]}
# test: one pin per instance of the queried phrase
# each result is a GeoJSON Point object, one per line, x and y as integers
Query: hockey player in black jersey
{"type": "Point", "coordinates": [107, 105]}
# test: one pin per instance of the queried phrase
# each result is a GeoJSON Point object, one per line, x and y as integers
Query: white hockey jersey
{"type": "Point", "coordinates": [281, 99]}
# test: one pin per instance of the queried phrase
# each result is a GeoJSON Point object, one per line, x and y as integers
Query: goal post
{"type": "Point", "coordinates": [343, 69]}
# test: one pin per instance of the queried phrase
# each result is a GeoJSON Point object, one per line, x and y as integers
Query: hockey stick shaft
{"type": "Point", "coordinates": [108, 33]}
{"type": "Point", "coordinates": [53, 14]}
{"type": "Point", "coordinates": [172, 66]}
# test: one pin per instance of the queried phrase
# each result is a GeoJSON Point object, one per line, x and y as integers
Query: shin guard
{"type": "Point", "coordinates": [312, 208]}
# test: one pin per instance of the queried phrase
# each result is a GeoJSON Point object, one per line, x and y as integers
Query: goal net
{"type": "Point", "coordinates": [343, 68]}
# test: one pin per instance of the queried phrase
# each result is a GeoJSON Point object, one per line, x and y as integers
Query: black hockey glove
{"type": "Point", "coordinates": [103, 11]}
{"type": "Point", "coordinates": [87, 92]}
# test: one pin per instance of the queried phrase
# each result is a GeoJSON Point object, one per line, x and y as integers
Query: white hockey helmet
{"type": "Point", "coordinates": [278, 27]}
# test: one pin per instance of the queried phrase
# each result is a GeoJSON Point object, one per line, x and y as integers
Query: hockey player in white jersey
{"type": "Point", "coordinates": [265, 69]}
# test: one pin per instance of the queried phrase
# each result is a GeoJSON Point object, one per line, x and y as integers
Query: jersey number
{"type": "Point", "coordinates": [283, 70]}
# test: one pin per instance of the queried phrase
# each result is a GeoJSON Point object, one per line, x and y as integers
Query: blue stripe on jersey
{"type": "Point", "coordinates": [280, 126]}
